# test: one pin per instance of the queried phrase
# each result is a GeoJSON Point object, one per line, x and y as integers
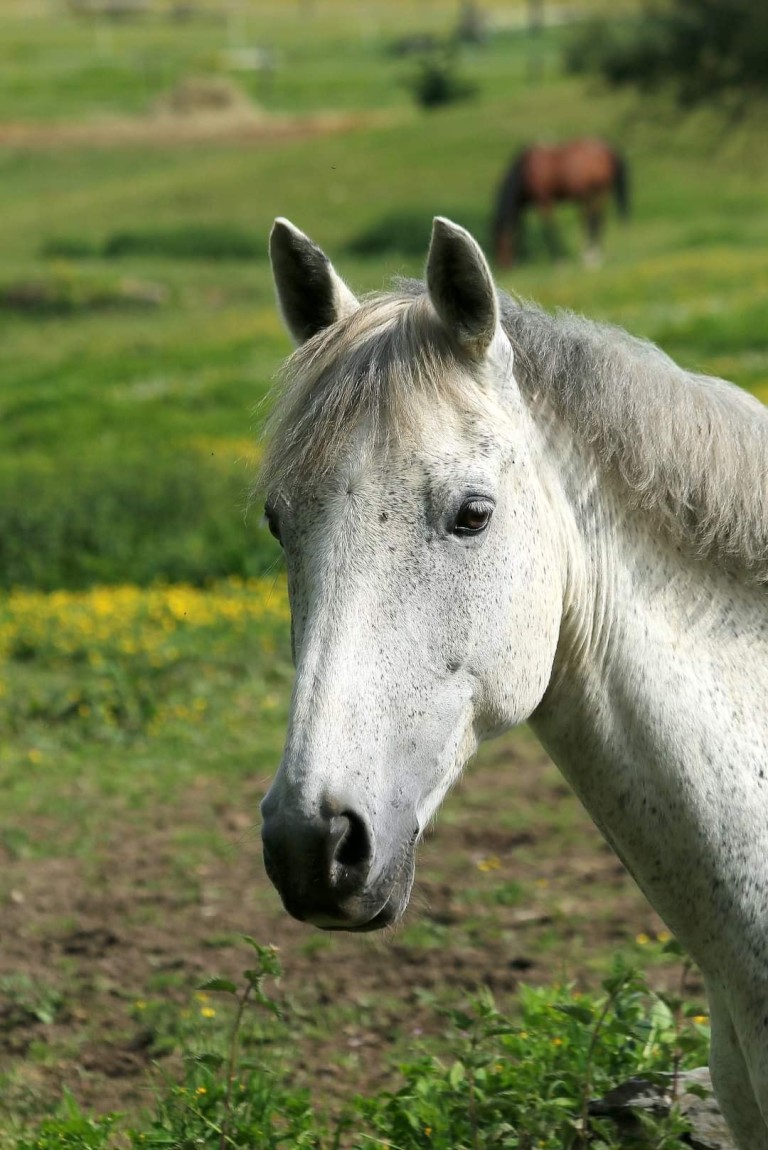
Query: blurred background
{"type": "Point", "coordinates": [145, 148]}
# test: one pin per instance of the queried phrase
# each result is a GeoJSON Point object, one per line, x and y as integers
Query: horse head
{"type": "Point", "coordinates": [404, 484]}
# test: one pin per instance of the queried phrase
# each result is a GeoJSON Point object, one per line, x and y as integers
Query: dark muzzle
{"type": "Point", "coordinates": [321, 867]}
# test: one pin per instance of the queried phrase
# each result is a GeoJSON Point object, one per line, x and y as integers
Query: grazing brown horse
{"type": "Point", "coordinates": [582, 171]}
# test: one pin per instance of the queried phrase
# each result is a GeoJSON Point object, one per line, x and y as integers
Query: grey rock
{"type": "Point", "coordinates": [708, 1127]}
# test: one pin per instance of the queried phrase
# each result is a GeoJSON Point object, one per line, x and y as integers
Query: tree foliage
{"type": "Point", "coordinates": [703, 51]}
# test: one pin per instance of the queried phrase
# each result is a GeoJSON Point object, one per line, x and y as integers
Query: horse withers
{"type": "Point", "coordinates": [585, 172]}
{"type": "Point", "coordinates": [490, 515]}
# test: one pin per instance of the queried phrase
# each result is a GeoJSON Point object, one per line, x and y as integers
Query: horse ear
{"type": "Point", "coordinates": [461, 287]}
{"type": "Point", "coordinates": [310, 293]}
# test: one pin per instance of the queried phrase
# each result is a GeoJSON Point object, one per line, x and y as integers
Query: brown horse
{"type": "Point", "coordinates": [582, 171]}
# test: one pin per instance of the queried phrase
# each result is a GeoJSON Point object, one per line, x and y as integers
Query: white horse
{"type": "Point", "coordinates": [581, 542]}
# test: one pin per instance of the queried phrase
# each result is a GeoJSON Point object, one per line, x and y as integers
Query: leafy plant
{"type": "Point", "coordinates": [528, 1082]}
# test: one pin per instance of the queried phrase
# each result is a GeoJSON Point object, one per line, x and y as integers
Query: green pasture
{"type": "Point", "coordinates": [99, 388]}
{"type": "Point", "coordinates": [144, 649]}
{"type": "Point", "coordinates": [325, 53]}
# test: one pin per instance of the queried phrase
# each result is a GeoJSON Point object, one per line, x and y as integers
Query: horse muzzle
{"type": "Point", "coordinates": [323, 869]}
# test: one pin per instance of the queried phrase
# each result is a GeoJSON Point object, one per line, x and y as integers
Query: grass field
{"type": "Point", "coordinates": [144, 665]}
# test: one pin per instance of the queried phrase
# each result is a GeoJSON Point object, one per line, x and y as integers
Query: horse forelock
{"type": "Point", "coordinates": [387, 368]}
{"type": "Point", "coordinates": [690, 449]}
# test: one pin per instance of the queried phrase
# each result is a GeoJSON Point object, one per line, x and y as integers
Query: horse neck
{"type": "Point", "coordinates": [656, 710]}
{"type": "Point", "coordinates": [621, 565]}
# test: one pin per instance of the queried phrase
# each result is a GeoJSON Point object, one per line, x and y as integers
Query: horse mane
{"type": "Point", "coordinates": [690, 449]}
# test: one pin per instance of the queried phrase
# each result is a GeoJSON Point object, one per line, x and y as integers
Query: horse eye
{"type": "Point", "coordinates": [271, 519]}
{"type": "Point", "coordinates": [473, 516]}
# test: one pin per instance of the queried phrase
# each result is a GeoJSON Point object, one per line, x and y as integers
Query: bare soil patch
{"type": "Point", "coordinates": [535, 897]}
{"type": "Point", "coordinates": [166, 128]}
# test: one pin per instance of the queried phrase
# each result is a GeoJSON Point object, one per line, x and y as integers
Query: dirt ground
{"type": "Point", "coordinates": [160, 131]}
{"type": "Point", "coordinates": [530, 895]}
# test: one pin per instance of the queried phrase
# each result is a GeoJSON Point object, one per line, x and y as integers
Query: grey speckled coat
{"type": "Point", "coordinates": [491, 515]}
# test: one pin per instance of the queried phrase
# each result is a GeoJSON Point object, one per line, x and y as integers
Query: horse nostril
{"type": "Point", "coordinates": [351, 841]}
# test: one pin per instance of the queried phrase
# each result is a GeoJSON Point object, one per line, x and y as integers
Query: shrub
{"type": "Point", "coordinates": [436, 81]}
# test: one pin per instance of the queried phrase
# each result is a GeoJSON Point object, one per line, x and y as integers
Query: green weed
{"type": "Point", "coordinates": [71, 1129]}
{"type": "Point", "coordinates": [24, 1000]}
{"type": "Point", "coordinates": [499, 1081]}
{"type": "Point", "coordinates": [234, 1094]}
